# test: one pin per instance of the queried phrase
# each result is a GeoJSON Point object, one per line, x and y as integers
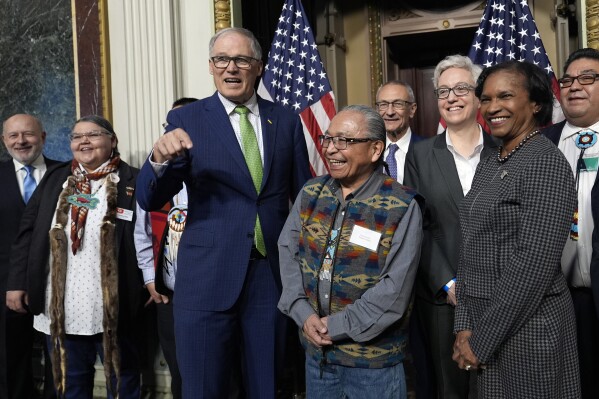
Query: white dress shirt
{"type": "Point", "coordinates": [38, 172]}
{"type": "Point", "coordinates": [466, 166]}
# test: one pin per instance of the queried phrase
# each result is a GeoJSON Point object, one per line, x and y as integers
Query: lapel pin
{"type": "Point", "coordinates": [503, 174]}
{"type": "Point", "coordinates": [269, 121]}
{"type": "Point", "coordinates": [129, 191]}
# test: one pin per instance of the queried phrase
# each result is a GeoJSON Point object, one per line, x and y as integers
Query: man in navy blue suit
{"type": "Point", "coordinates": [242, 160]}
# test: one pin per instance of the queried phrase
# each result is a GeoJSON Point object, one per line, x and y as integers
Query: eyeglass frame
{"type": "Point", "coordinates": [340, 139]}
{"type": "Point", "coordinates": [403, 104]}
{"type": "Point", "coordinates": [93, 135]}
{"type": "Point", "coordinates": [234, 59]}
{"type": "Point", "coordinates": [467, 87]}
{"type": "Point", "coordinates": [577, 78]}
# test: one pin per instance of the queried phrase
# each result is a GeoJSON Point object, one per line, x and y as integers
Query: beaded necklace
{"type": "Point", "coordinates": [516, 148]}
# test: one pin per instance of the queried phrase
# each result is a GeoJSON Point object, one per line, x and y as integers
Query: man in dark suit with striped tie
{"type": "Point", "coordinates": [24, 137]}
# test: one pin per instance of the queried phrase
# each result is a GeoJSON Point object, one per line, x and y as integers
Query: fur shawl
{"type": "Point", "coordinates": [109, 274]}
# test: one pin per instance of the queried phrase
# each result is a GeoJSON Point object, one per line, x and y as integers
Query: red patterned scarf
{"type": "Point", "coordinates": [83, 186]}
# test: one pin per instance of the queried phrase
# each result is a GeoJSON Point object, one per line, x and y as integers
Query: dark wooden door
{"type": "Point", "coordinates": [413, 58]}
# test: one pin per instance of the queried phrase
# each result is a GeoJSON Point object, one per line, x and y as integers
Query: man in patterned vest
{"type": "Point", "coordinates": [349, 253]}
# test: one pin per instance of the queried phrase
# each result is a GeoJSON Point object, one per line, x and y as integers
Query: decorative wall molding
{"type": "Point", "coordinates": [592, 23]}
{"type": "Point", "coordinates": [222, 14]}
{"type": "Point", "coordinates": [402, 20]}
{"type": "Point", "coordinates": [376, 53]}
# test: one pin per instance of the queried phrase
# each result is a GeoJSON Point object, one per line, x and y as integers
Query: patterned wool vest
{"type": "Point", "coordinates": [355, 268]}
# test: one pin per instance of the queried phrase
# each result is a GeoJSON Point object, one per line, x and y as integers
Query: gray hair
{"type": "Point", "coordinates": [375, 125]}
{"type": "Point", "coordinates": [456, 61]}
{"type": "Point", "coordinates": [411, 97]}
{"type": "Point", "coordinates": [255, 45]}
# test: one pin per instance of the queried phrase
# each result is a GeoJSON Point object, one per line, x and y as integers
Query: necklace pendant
{"type": "Point", "coordinates": [83, 200]}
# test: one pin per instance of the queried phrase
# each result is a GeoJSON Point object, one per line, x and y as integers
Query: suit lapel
{"type": "Point", "coordinates": [218, 122]}
{"type": "Point", "coordinates": [447, 167]}
{"type": "Point", "coordinates": [269, 128]}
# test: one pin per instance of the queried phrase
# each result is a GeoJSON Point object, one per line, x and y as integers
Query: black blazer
{"type": "Point", "coordinates": [554, 133]}
{"type": "Point", "coordinates": [431, 170]}
{"type": "Point", "coordinates": [29, 268]}
{"type": "Point", "coordinates": [12, 207]}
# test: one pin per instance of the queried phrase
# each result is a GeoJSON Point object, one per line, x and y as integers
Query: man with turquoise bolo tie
{"type": "Point", "coordinates": [577, 138]}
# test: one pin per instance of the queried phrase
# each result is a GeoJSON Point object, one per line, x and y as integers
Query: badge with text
{"type": "Point", "coordinates": [124, 214]}
{"type": "Point", "coordinates": [365, 238]}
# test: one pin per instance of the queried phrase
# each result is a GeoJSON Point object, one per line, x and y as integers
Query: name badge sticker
{"type": "Point", "coordinates": [124, 214]}
{"type": "Point", "coordinates": [365, 238]}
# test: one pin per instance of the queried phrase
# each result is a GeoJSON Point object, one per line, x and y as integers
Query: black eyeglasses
{"type": "Point", "coordinates": [223, 61]}
{"type": "Point", "coordinates": [339, 142]}
{"type": "Point", "coordinates": [584, 79]}
{"type": "Point", "coordinates": [398, 105]}
{"type": "Point", "coordinates": [459, 91]}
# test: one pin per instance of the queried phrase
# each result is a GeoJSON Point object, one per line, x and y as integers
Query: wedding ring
{"type": "Point", "coordinates": [468, 367]}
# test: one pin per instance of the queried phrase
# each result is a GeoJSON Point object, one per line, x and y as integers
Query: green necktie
{"type": "Point", "coordinates": [251, 153]}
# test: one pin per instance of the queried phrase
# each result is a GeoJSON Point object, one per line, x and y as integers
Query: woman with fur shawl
{"type": "Point", "coordinates": [81, 280]}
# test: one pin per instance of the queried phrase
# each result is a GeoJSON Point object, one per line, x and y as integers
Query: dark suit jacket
{"type": "Point", "coordinates": [12, 207]}
{"type": "Point", "coordinates": [431, 170]}
{"type": "Point", "coordinates": [215, 247]}
{"type": "Point", "coordinates": [554, 133]}
{"type": "Point", "coordinates": [29, 269]}
{"type": "Point", "coordinates": [414, 139]}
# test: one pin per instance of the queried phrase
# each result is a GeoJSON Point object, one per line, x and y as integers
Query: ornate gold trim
{"type": "Point", "coordinates": [592, 22]}
{"type": "Point", "coordinates": [376, 53]}
{"type": "Point", "coordinates": [105, 60]}
{"type": "Point", "coordinates": [222, 14]}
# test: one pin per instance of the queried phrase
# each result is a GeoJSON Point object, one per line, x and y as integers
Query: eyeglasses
{"type": "Point", "coordinates": [398, 105]}
{"type": "Point", "coordinates": [459, 91]}
{"type": "Point", "coordinates": [584, 79]}
{"type": "Point", "coordinates": [222, 62]}
{"type": "Point", "coordinates": [91, 136]}
{"type": "Point", "coordinates": [14, 136]}
{"type": "Point", "coordinates": [339, 142]}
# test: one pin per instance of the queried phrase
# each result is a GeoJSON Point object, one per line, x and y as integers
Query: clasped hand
{"type": "Point", "coordinates": [462, 352]}
{"type": "Point", "coordinates": [316, 331]}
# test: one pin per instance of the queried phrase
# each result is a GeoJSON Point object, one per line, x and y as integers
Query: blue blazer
{"type": "Point", "coordinates": [554, 133]}
{"type": "Point", "coordinates": [215, 246]}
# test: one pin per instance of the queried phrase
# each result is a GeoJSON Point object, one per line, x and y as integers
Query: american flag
{"type": "Point", "coordinates": [508, 32]}
{"type": "Point", "coordinates": [295, 78]}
